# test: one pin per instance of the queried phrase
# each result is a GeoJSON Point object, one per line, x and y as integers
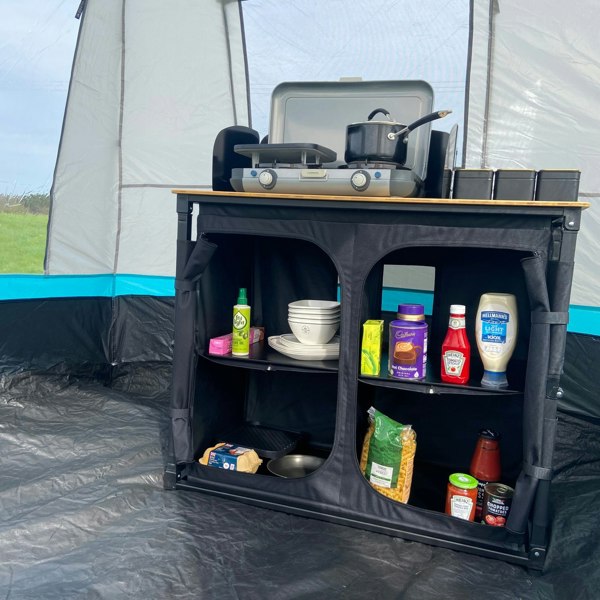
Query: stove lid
{"type": "Point", "coordinates": [319, 112]}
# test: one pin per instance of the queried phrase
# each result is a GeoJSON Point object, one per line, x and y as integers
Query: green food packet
{"type": "Point", "coordinates": [385, 450]}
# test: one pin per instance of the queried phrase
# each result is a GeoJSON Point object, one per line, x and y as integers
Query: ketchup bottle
{"type": "Point", "coordinates": [485, 464]}
{"type": "Point", "coordinates": [456, 350]}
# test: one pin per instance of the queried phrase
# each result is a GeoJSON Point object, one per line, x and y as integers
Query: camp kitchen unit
{"type": "Point", "coordinates": [306, 214]}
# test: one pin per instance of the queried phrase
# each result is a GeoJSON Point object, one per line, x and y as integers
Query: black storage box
{"type": "Point", "coordinates": [514, 184]}
{"type": "Point", "coordinates": [473, 184]}
{"type": "Point", "coordinates": [560, 185]}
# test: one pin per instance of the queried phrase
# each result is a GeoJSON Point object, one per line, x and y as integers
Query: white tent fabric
{"type": "Point", "coordinates": [376, 40]}
{"type": "Point", "coordinates": [152, 84]}
{"type": "Point", "coordinates": [535, 104]}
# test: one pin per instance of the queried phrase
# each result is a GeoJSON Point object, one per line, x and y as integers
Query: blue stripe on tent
{"type": "Point", "coordinates": [146, 285]}
{"type": "Point", "coordinates": [19, 287]}
{"type": "Point", "coordinates": [582, 319]}
{"type": "Point", "coordinates": [394, 296]}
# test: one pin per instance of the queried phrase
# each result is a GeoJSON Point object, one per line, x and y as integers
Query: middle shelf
{"type": "Point", "coordinates": [262, 357]}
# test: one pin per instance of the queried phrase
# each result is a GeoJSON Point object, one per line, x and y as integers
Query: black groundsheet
{"type": "Point", "coordinates": [83, 515]}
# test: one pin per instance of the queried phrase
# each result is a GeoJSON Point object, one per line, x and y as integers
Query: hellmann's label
{"type": "Point", "coordinates": [494, 325]}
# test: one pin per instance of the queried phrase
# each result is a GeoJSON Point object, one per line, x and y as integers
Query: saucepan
{"type": "Point", "coordinates": [382, 141]}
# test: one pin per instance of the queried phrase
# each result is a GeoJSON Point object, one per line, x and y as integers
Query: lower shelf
{"type": "Point", "coordinates": [410, 523]}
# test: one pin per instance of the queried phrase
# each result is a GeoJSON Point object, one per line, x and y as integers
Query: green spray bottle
{"type": "Point", "coordinates": [240, 343]}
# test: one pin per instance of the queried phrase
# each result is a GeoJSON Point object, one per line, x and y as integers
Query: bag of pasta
{"type": "Point", "coordinates": [388, 455]}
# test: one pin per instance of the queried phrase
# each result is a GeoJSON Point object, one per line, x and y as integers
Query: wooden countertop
{"type": "Point", "coordinates": [383, 199]}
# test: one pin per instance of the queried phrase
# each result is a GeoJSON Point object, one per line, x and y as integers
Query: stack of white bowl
{"type": "Point", "coordinates": [314, 322]}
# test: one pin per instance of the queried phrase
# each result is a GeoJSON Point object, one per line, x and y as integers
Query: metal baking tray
{"type": "Point", "coordinates": [319, 112]}
{"type": "Point", "coordinates": [265, 441]}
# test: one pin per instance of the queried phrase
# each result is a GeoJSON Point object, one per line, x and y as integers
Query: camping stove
{"type": "Point", "coordinates": [320, 113]}
{"type": "Point", "coordinates": [300, 169]}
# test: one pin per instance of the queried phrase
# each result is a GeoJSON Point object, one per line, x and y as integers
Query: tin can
{"type": "Point", "coordinates": [461, 496]}
{"type": "Point", "coordinates": [408, 343]}
{"type": "Point", "coordinates": [497, 499]}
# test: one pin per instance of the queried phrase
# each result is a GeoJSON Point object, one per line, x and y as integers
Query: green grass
{"type": "Point", "coordinates": [22, 242]}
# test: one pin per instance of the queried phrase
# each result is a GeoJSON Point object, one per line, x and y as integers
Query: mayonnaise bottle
{"type": "Point", "coordinates": [496, 334]}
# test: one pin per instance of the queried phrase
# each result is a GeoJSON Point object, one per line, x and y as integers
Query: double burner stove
{"type": "Point", "coordinates": [306, 169]}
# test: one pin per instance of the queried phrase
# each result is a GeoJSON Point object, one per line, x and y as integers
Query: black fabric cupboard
{"type": "Point", "coordinates": [286, 248]}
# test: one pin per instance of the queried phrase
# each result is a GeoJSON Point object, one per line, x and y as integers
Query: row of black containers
{"type": "Point", "coordinates": [550, 185]}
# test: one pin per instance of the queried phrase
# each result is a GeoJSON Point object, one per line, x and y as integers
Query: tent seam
{"type": "Point", "coordinates": [246, 67]}
{"type": "Point", "coordinates": [120, 143]}
{"type": "Point", "coordinates": [230, 65]}
{"type": "Point", "coordinates": [489, 74]}
{"type": "Point", "coordinates": [468, 84]}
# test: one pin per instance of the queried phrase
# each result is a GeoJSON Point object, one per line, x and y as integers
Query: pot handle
{"type": "Point", "coordinates": [383, 111]}
{"type": "Point", "coordinates": [426, 119]}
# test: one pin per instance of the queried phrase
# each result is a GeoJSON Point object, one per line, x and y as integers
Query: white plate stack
{"type": "Point", "coordinates": [314, 324]}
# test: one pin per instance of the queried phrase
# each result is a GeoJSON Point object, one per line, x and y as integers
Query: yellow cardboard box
{"type": "Point", "coordinates": [370, 356]}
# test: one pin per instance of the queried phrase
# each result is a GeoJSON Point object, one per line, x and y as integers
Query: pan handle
{"type": "Point", "coordinates": [440, 114]}
{"type": "Point", "coordinates": [383, 111]}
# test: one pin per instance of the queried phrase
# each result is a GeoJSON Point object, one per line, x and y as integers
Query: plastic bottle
{"type": "Point", "coordinates": [456, 350]}
{"type": "Point", "coordinates": [485, 464]}
{"type": "Point", "coordinates": [240, 343]}
{"type": "Point", "coordinates": [496, 333]}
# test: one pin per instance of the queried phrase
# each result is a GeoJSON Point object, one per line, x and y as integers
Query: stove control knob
{"type": "Point", "coordinates": [267, 179]}
{"type": "Point", "coordinates": [360, 180]}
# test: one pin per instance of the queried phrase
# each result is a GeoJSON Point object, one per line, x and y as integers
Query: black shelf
{"type": "Point", "coordinates": [434, 385]}
{"type": "Point", "coordinates": [263, 357]}
{"type": "Point", "coordinates": [285, 246]}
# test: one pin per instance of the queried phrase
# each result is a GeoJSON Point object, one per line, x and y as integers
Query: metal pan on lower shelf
{"type": "Point", "coordinates": [293, 466]}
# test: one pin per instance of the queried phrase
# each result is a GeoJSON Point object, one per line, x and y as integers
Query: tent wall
{"type": "Point", "coordinates": [96, 336]}
{"type": "Point", "coordinates": [153, 82]}
{"type": "Point", "coordinates": [533, 103]}
{"type": "Point", "coordinates": [68, 335]}
{"type": "Point", "coordinates": [86, 178]}
{"type": "Point", "coordinates": [534, 81]}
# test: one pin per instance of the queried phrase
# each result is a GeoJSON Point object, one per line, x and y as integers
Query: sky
{"type": "Point", "coordinates": [38, 37]}
{"type": "Point", "coordinates": [37, 42]}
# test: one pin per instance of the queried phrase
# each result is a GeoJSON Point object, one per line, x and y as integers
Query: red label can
{"type": "Point", "coordinates": [497, 499]}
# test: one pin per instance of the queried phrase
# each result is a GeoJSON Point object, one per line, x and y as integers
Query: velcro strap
{"type": "Point", "coordinates": [537, 472]}
{"type": "Point", "coordinates": [184, 285]}
{"type": "Point", "coordinates": [549, 318]}
{"type": "Point", "coordinates": [180, 413]}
